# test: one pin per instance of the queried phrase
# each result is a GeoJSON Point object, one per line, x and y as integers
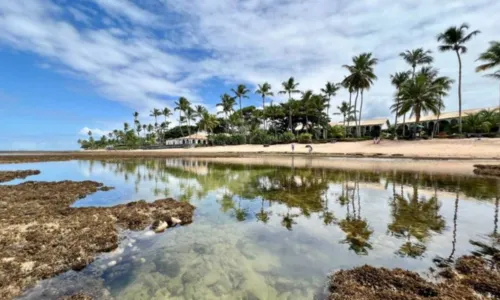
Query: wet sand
{"type": "Point", "coordinates": [42, 236]}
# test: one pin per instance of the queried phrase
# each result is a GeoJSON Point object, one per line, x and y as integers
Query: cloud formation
{"type": "Point", "coordinates": [96, 132]}
{"type": "Point", "coordinates": [148, 53]}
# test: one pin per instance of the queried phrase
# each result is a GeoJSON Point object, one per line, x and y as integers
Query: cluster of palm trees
{"type": "Point", "coordinates": [422, 91]}
{"type": "Point", "coordinates": [419, 90]}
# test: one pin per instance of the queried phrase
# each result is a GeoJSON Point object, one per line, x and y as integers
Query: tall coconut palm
{"type": "Point", "coordinates": [189, 115]}
{"type": "Point", "coordinates": [454, 39]}
{"type": "Point", "coordinates": [166, 112]}
{"type": "Point", "coordinates": [264, 90]}
{"type": "Point", "coordinates": [155, 113]}
{"type": "Point", "coordinates": [443, 85]}
{"type": "Point", "coordinates": [397, 80]}
{"type": "Point", "coordinates": [289, 87]}
{"type": "Point", "coordinates": [241, 91]}
{"type": "Point", "coordinates": [330, 90]}
{"type": "Point", "coordinates": [182, 105]}
{"type": "Point", "coordinates": [227, 104]}
{"type": "Point", "coordinates": [491, 59]}
{"type": "Point", "coordinates": [348, 86]}
{"type": "Point", "coordinates": [361, 78]}
{"type": "Point", "coordinates": [136, 121]}
{"type": "Point", "coordinates": [344, 110]}
{"type": "Point", "coordinates": [417, 57]}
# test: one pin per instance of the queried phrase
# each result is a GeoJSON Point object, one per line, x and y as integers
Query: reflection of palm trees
{"type": "Point", "coordinates": [414, 217]}
{"type": "Point", "coordinates": [263, 215]}
{"type": "Point", "coordinates": [226, 203]}
{"type": "Point", "coordinates": [455, 218]}
{"type": "Point", "coordinates": [241, 214]}
{"type": "Point", "coordinates": [288, 220]}
{"type": "Point", "coordinates": [357, 231]}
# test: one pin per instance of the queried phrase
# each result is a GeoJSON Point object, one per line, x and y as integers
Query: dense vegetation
{"type": "Point", "coordinates": [305, 116]}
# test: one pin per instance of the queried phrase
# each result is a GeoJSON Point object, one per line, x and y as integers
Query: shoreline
{"type": "Point", "coordinates": [457, 150]}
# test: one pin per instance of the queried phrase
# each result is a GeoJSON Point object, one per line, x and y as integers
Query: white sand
{"type": "Point", "coordinates": [463, 148]}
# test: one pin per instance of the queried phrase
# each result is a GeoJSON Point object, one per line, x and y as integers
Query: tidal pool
{"type": "Point", "coordinates": [266, 232]}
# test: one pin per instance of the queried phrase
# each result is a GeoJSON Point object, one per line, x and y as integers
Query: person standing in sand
{"type": "Point", "coordinates": [293, 147]}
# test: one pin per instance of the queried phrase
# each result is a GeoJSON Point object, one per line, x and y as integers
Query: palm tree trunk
{"type": "Point", "coordinates": [180, 123]}
{"type": "Point", "coordinates": [290, 111]}
{"type": "Point", "coordinates": [263, 107]}
{"type": "Point", "coordinates": [436, 126]}
{"type": "Point", "coordinates": [345, 128]}
{"type": "Point", "coordinates": [360, 111]}
{"type": "Point", "coordinates": [455, 217]}
{"type": "Point", "coordinates": [355, 109]}
{"type": "Point", "coordinates": [350, 108]}
{"type": "Point", "coordinates": [459, 93]}
{"type": "Point", "coordinates": [396, 120]}
{"type": "Point", "coordinates": [404, 125]}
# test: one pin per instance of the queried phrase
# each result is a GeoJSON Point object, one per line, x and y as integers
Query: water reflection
{"type": "Point", "coordinates": [264, 232]}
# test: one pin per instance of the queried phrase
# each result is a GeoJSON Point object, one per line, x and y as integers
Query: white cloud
{"type": "Point", "coordinates": [131, 61]}
{"type": "Point", "coordinates": [96, 132]}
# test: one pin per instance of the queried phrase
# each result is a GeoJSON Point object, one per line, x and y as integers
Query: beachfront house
{"type": "Point", "coordinates": [192, 140]}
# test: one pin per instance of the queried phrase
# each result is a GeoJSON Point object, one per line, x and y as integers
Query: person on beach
{"type": "Point", "coordinates": [293, 147]}
{"type": "Point", "coordinates": [310, 148]}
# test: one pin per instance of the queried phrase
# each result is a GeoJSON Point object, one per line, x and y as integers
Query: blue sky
{"type": "Point", "coordinates": [67, 66]}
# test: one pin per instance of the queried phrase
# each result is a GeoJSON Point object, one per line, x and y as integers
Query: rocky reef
{"type": "Point", "coordinates": [42, 236]}
{"type": "Point", "coordinates": [11, 175]}
{"type": "Point", "coordinates": [469, 278]}
{"type": "Point", "coordinates": [487, 170]}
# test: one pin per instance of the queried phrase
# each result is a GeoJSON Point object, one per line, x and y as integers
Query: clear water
{"type": "Point", "coordinates": [264, 232]}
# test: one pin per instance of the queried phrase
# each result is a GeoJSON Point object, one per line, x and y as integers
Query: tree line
{"type": "Point", "coordinates": [306, 114]}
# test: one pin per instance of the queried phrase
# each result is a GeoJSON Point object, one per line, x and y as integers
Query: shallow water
{"type": "Point", "coordinates": [263, 232]}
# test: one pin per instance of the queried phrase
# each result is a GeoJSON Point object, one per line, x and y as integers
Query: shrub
{"type": "Point", "coordinates": [286, 137]}
{"type": "Point", "coordinates": [305, 138]}
{"type": "Point", "coordinates": [337, 132]}
{"type": "Point", "coordinates": [218, 139]}
{"type": "Point", "coordinates": [236, 139]}
{"type": "Point", "coordinates": [261, 137]}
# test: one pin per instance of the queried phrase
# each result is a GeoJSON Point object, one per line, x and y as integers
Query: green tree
{"type": "Point", "coordinates": [241, 91]}
{"type": "Point", "coordinates": [344, 110]}
{"type": "Point", "coordinates": [419, 96]}
{"type": "Point", "coordinates": [289, 87]}
{"type": "Point", "coordinates": [182, 105]}
{"type": "Point", "coordinates": [491, 59]}
{"type": "Point", "coordinates": [208, 121]}
{"type": "Point", "coordinates": [264, 90]}
{"type": "Point", "coordinates": [155, 113]}
{"type": "Point", "coordinates": [330, 90]}
{"type": "Point", "coordinates": [397, 80]}
{"type": "Point", "coordinates": [361, 78]}
{"type": "Point", "coordinates": [454, 39]}
{"type": "Point", "coordinates": [417, 57]}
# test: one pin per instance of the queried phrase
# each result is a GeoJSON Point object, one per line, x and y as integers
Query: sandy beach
{"type": "Point", "coordinates": [463, 148]}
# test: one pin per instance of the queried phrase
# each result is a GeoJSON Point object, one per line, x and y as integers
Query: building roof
{"type": "Point", "coordinates": [449, 115]}
{"type": "Point", "coordinates": [373, 122]}
{"type": "Point", "coordinates": [196, 136]}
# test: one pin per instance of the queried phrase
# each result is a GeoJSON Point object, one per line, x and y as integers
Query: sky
{"type": "Point", "coordinates": [67, 66]}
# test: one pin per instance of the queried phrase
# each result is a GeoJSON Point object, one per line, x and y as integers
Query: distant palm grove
{"type": "Point", "coordinates": [305, 116]}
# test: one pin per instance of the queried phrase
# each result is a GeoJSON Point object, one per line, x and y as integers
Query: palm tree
{"type": "Point", "coordinates": [419, 96]}
{"type": "Point", "coordinates": [144, 127]}
{"type": "Point", "coordinates": [491, 59]}
{"type": "Point", "coordinates": [330, 90]}
{"type": "Point", "coordinates": [264, 90]}
{"type": "Point", "coordinates": [136, 121]}
{"type": "Point", "coordinates": [155, 113]}
{"type": "Point", "coordinates": [397, 80]}
{"type": "Point", "coordinates": [182, 106]}
{"type": "Point", "coordinates": [189, 115]}
{"type": "Point", "coordinates": [289, 87]}
{"type": "Point", "coordinates": [417, 57]}
{"type": "Point", "coordinates": [344, 110]}
{"type": "Point", "coordinates": [443, 85]}
{"type": "Point", "coordinates": [227, 104]}
{"type": "Point", "coordinates": [166, 113]}
{"type": "Point", "coordinates": [454, 39]}
{"type": "Point", "coordinates": [241, 91]}
{"type": "Point", "coordinates": [361, 78]}
{"type": "Point", "coordinates": [347, 85]}
{"type": "Point", "coordinates": [208, 122]}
